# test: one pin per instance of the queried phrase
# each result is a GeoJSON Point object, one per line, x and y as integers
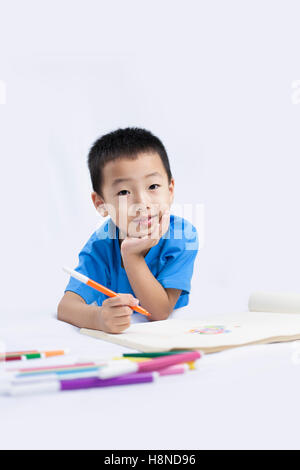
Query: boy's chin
{"type": "Point", "coordinates": [139, 234]}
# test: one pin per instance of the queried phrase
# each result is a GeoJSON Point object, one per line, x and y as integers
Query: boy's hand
{"type": "Point", "coordinates": [115, 314]}
{"type": "Point", "coordinates": [138, 246]}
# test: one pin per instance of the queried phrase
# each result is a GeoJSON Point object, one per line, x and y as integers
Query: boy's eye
{"type": "Point", "coordinates": [121, 193]}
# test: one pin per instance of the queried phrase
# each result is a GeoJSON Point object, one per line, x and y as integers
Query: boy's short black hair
{"type": "Point", "coordinates": [126, 143]}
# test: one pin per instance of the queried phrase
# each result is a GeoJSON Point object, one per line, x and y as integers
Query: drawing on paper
{"type": "Point", "coordinates": [211, 330]}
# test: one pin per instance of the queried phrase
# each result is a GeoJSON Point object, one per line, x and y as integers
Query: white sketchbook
{"type": "Point", "coordinates": [278, 320]}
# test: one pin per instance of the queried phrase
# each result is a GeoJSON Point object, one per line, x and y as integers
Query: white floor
{"type": "Point", "coordinates": [244, 398]}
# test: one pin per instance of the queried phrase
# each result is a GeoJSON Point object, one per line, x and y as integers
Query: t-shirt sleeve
{"type": "Point", "coordinates": [178, 269]}
{"type": "Point", "coordinates": [93, 265]}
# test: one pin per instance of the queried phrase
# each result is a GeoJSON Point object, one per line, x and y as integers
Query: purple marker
{"type": "Point", "coordinates": [90, 382]}
{"type": "Point", "coordinates": [77, 384]}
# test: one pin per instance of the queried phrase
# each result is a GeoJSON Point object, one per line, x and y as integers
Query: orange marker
{"type": "Point", "coordinates": [34, 354]}
{"type": "Point", "coordinates": [58, 352]}
{"type": "Point", "coordinates": [99, 287]}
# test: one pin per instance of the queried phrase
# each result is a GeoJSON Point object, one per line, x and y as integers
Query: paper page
{"type": "Point", "coordinates": [218, 332]}
{"type": "Point", "coordinates": [276, 302]}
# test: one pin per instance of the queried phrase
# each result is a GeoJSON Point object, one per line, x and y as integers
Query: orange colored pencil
{"type": "Point", "coordinates": [100, 288]}
{"type": "Point", "coordinates": [58, 352]}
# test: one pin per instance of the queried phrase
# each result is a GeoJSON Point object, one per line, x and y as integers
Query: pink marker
{"type": "Point", "coordinates": [173, 370]}
{"type": "Point", "coordinates": [147, 366]}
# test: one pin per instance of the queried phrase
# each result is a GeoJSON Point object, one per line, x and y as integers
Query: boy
{"type": "Point", "coordinates": [141, 252]}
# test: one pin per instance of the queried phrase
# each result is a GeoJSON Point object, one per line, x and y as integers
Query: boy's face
{"type": "Point", "coordinates": [143, 193]}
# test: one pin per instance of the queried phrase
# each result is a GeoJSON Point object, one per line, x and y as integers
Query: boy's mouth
{"type": "Point", "coordinates": [145, 221]}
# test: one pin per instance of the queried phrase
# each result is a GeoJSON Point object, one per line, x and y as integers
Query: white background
{"type": "Point", "coordinates": [212, 79]}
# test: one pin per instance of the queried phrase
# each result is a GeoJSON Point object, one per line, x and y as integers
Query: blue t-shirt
{"type": "Point", "coordinates": [171, 261]}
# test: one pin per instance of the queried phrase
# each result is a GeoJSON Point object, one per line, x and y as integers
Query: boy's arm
{"type": "Point", "coordinates": [173, 295]}
{"type": "Point", "coordinates": [112, 317]}
{"type": "Point", "coordinates": [152, 295]}
{"type": "Point", "coordinates": [73, 309]}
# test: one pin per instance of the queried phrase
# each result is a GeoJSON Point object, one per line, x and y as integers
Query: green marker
{"type": "Point", "coordinates": [156, 354]}
{"type": "Point", "coordinates": [33, 355]}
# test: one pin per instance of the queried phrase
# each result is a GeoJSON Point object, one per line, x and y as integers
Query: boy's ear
{"type": "Point", "coordinates": [171, 189]}
{"type": "Point", "coordinates": [99, 204]}
{"type": "Point", "coordinates": [102, 211]}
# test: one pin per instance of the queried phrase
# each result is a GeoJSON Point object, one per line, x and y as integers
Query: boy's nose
{"type": "Point", "coordinates": [142, 209]}
{"type": "Point", "coordinates": [142, 204]}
